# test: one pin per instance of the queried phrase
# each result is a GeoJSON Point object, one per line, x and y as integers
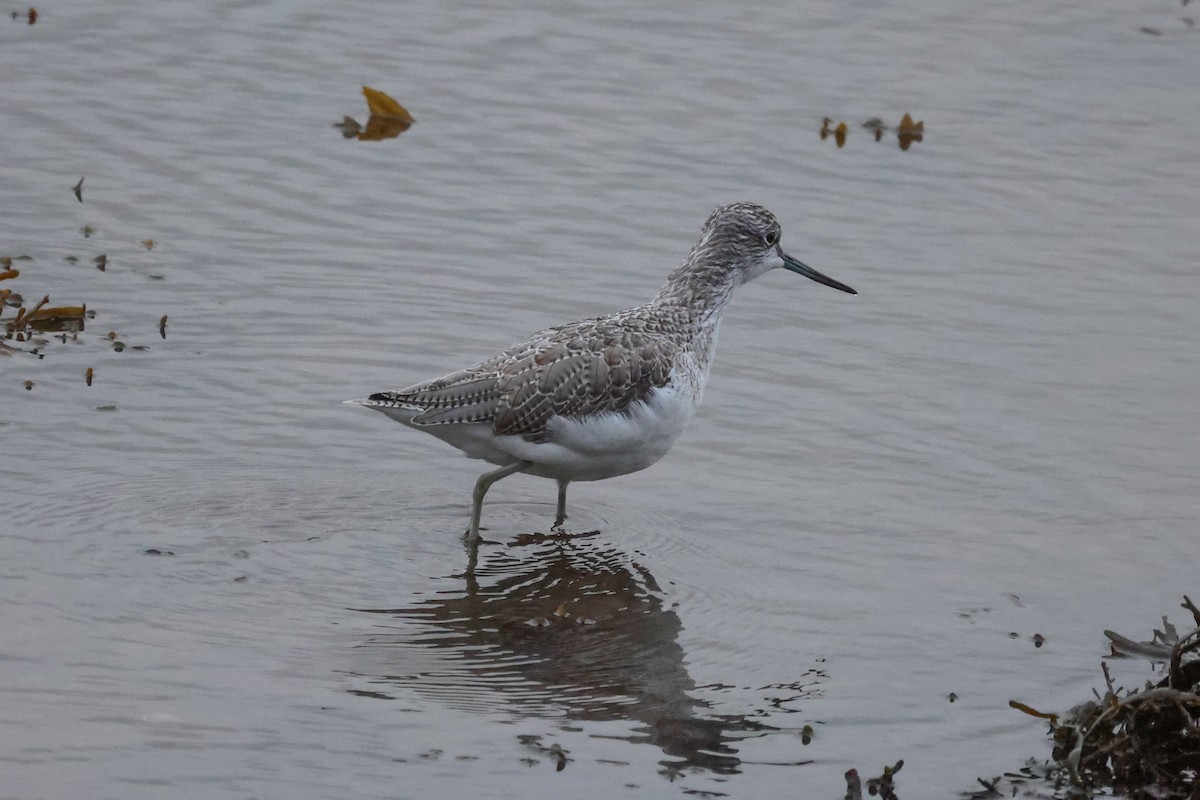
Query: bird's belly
{"type": "Point", "coordinates": [610, 443]}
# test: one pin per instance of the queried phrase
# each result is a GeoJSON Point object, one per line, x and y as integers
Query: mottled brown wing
{"type": "Point", "coordinates": [577, 375]}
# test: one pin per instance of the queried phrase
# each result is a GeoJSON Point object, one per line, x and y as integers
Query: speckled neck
{"type": "Point", "coordinates": [704, 282]}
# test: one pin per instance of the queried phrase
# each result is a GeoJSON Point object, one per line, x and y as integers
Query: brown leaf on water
{"type": "Point", "coordinates": [148, 244]}
{"type": "Point", "coordinates": [380, 128]}
{"type": "Point", "coordinates": [32, 15]}
{"type": "Point", "coordinates": [381, 105]}
{"type": "Point", "coordinates": [78, 190]}
{"type": "Point", "coordinates": [101, 262]}
{"type": "Point", "coordinates": [908, 126]}
{"type": "Point", "coordinates": [9, 273]}
{"type": "Point", "coordinates": [908, 131]}
{"type": "Point", "coordinates": [388, 119]}
{"type": "Point", "coordinates": [838, 133]}
{"type": "Point", "coordinates": [88, 375]}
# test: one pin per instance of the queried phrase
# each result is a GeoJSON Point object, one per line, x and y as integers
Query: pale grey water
{"type": "Point", "coordinates": [1007, 408]}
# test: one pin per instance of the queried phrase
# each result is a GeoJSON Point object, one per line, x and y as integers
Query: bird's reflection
{"type": "Point", "coordinates": [560, 624]}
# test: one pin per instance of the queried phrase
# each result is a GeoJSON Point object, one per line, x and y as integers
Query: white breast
{"type": "Point", "coordinates": [610, 443]}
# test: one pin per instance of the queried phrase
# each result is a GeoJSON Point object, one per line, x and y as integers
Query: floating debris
{"type": "Point", "coordinates": [78, 190]}
{"type": "Point", "coordinates": [349, 127]}
{"type": "Point", "coordinates": [838, 132]}
{"type": "Point", "coordinates": [88, 230]}
{"type": "Point", "coordinates": [907, 132]}
{"type": "Point", "coordinates": [29, 386]}
{"type": "Point", "coordinates": [875, 125]}
{"type": "Point", "coordinates": [57, 318]}
{"type": "Point", "coordinates": [555, 751]}
{"type": "Point", "coordinates": [88, 376]}
{"type": "Point", "coordinates": [41, 319]}
{"type": "Point", "coordinates": [1139, 742]}
{"type": "Point", "coordinates": [148, 244]}
{"type": "Point", "coordinates": [388, 119]}
{"type": "Point", "coordinates": [101, 262]}
{"type": "Point", "coordinates": [162, 326]}
{"type": "Point", "coordinates": [882, 786]}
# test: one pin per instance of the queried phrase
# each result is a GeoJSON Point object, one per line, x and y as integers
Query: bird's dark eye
{"type": "Point", "coordinates": [772, 238]}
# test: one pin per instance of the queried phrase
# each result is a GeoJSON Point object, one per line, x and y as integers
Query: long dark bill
{"type": "Point", "coordinates": [803, 269]}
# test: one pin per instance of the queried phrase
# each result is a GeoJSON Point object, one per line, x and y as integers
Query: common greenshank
{"type": "Point", "coordinates": [604, 396]}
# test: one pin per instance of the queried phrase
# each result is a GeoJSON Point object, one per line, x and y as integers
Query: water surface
{"type": "Point", "coordinates": [880, 503]}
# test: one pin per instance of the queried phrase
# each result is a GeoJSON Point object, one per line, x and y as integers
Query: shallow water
{"type": "Point", "coordinates": [881, 502]}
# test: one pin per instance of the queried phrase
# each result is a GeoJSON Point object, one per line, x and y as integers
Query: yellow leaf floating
{"type": "Point", "coordinates": [839, 133]}
{"type": "Point", "coordinates": [388, 119]}
{"type": "Point", "coordinates": [908, 131]}
{"type": "Point", "coordinates": [908, 126]}
{"type": "Point", "coordinates": [381, 105]}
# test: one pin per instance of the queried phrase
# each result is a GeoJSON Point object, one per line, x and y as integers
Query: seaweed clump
{"type": "Point", "coordinates": [1144, 743]}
